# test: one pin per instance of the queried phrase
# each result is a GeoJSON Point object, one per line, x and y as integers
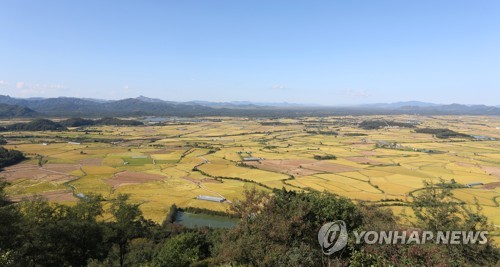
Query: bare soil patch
{"type": "Point", "coordinates": [330, 167]}
{"type": "Point", "coordinates": [492, 185]}
{"type": "Point", "coordinates": [300, 167]}
{"type": "Point", "coordinates": [492, 170]}
{"type": "Point", "coordinates": [61, 167]}
{"type": "Point", "coordinates": [291, 166]}
{"type": "Point", "coordinates": [23, 170]}
{"type": "Point", "coordinates": [91, 162]}
{"type": "Point", "coordinates": [49, 172]}
{"type": "Point", "coordinates": [364, 160]}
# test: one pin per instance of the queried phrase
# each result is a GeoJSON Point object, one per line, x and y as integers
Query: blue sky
{"type": "Point", "coordinates": [326, 52]}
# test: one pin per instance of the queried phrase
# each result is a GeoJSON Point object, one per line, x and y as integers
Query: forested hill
{"type": "Point", "coordinates": [48, 125]}
{"type": "Point", "coordinates": [16, 111]}
{"type": "Point", "coordinates": [143, 106]}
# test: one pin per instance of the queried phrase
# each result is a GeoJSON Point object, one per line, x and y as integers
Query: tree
{"type": "Point", "coordinates": [437, 210]}
{"type": "Point", "coordinates": [58, 235]}
{"type": "Point", "coordinates": [10, 157]}
{"type": "Point", "coordinates": [128, 224]}
{"type": "Point", "coordinates": [281, 229]}
{"type": "Point", "coordinates": [382, 219]}
{"type": "Point", "coordinates": [9, 222]}
{"type": "Point", "coordinates": [182, 250]}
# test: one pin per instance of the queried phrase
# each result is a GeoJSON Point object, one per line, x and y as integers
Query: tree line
{"type": "Point", "coordinates": [9, 156]}
{"type": "Point", "coordinates": [442, 133]}
{"type": "Point", "coordinates": [377, 124]}
{"type": "Point", "coordinates": [49, 125]}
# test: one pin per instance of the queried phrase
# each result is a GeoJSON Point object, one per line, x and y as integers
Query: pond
{"type": "Point", "coordinates": [192, 220]}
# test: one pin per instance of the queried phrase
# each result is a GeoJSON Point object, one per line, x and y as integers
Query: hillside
{"type": "Point", "coordinates": [143, 106]}
{"type": "Point", "coordinates": [36, 125]}
{"type": "Point", "coordinates": [79, 122]}
{"type": "Point", "coordinates": [15, 111]}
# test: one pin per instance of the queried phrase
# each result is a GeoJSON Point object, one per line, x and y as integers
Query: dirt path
{"type": "Point", "coordinates": [200, 183]}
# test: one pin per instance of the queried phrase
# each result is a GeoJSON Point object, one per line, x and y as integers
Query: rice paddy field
{"type": "Point", "coordinates": [159, 165]}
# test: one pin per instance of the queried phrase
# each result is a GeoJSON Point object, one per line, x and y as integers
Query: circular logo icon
{"type": "Point", "coordinates": [332, 237]}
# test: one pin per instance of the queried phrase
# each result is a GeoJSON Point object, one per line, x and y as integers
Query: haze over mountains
{"type": "Point", "coordinates": [144, 106]}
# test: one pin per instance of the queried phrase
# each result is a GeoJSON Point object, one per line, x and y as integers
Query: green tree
{"type": "Point", "coordinates": [58, 235]}
{"type": "Point", "coordinates": [281, 228]}
{"type": "Point", "coordinates": [436, 209]}
{"type": "Point", "coordinates": [9, 227]}
{"type": "Point", "coordinates": [182, 250]}
{"type": "Point", "coordinates": [10, 157]}
{"type": "Point", "coordinates": [128, 224]}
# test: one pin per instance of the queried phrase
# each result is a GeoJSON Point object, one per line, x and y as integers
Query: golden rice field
{"type": "Point", "coordinates": [159, 165]}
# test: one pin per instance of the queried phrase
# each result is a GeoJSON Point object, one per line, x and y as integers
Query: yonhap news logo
{"type": "Point", "coordinates": [332, 237]}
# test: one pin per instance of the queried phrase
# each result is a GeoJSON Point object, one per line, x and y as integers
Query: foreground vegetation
{"type": "Point", "coordinates": [278, 229]}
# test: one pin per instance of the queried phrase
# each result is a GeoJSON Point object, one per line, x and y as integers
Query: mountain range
{"type": "Point", "coordinates": [11, 107]}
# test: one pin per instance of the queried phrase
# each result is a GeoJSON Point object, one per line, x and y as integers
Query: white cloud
{"type": "Point", "coordinates": [3, 83]}
{"type": "Point", "coordinates": [279, 86]}
{"type": "Point", "coordinates": [28, 89]}
{"type": "Point", "coordinates": [20, 85]}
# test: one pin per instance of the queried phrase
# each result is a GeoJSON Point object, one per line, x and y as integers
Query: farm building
{"type": "Point", "coordinates": [210, 198]}
{"type": "Point", "coordinates": [483, 138]}
{"type": "Point", "coordinates": [251, 159]}
{"type": "Point", "coordinates": [474, 184]}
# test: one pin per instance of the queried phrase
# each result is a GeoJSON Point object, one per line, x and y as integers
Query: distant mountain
{"type": "Point", "coordinates": [72, 107]}
{"type": "Point", "coordinates": [145, 106]}
{"type": "Point", "coordinates": [454, 109]}
{"type": "Point", "coordinates": [15, 111]}
{"type": "Point", "coordinates": [223, 104]}
{"type": "Point", "coordinates": [273, 104]}
{"type": "Point", "coordinates": [151, 100]}
{"type": "Point", "coordinates": [401, 104]}
{"type": "Point", "coordinates": [97, 100]}
{"type": "Point", "coordinates": [247, 104]}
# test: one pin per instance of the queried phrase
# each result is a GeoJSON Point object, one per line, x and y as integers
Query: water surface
{"type": "Point", "coordinates": [193, 220]}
